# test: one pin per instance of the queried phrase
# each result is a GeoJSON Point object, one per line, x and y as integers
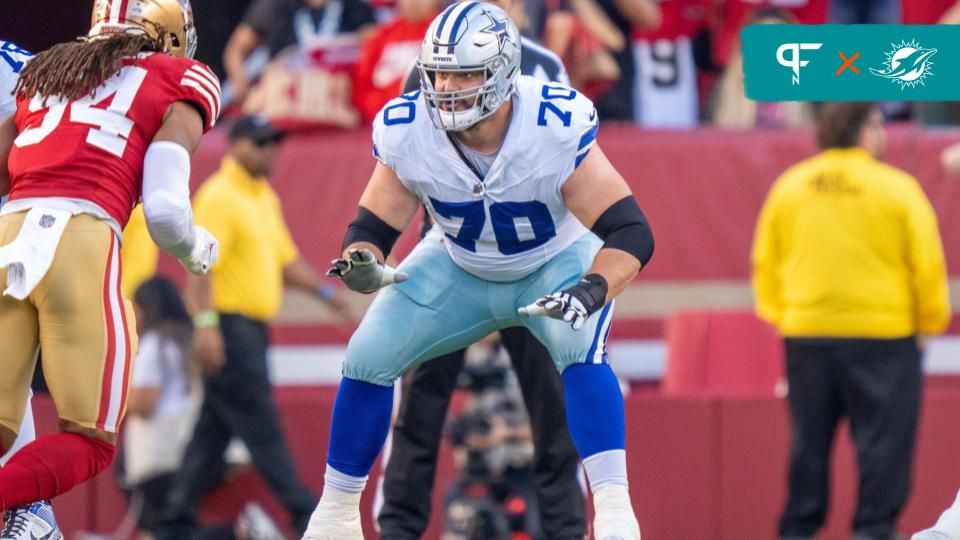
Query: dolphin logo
{"type": "Point", "coordinates": [907, 64]}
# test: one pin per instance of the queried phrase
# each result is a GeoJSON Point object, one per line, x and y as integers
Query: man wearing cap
{"type": "Point", "coordinates": [232, 306]}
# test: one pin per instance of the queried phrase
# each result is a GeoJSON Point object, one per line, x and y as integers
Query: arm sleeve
{"type": "Point", "coordinates": [925, 257]}
{"type": "Point", "coordinates": [765, 258]}
{"type": "Point", "coordinates": [166, 198]}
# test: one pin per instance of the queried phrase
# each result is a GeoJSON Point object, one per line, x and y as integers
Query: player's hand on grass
{"type": "Point", "coordinates": [362, 272]}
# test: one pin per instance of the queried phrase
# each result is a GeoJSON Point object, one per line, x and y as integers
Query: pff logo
{"type": "Point", "coordinates": [794, 62]}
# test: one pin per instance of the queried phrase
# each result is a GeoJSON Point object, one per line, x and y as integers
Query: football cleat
{"type": "Point", "coordinates": [31, 522]}
{"type": "Point", "coordinates": [614, 519]}
{"type": "Point", "coordinates": [334, 520]}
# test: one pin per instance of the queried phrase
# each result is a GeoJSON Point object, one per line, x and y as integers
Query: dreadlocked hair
{"type": "Point", "coordinates": [76, 69]}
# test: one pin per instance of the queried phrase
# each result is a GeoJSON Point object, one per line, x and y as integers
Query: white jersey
{"type": "Point", "coordinates": [12, 59]}
{"type": "Point", "coordinates": [507, 225]}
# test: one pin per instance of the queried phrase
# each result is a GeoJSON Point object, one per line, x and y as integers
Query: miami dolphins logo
{"type": "Point", "coordinates": [907, 64]}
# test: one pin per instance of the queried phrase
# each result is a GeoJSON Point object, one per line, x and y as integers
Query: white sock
{"type": "Point", "coordinates": [949, 521]}
{"type": "Point", "coordinates": [606, 469]}
{"type": "Point", "coordinates": [342, 482]}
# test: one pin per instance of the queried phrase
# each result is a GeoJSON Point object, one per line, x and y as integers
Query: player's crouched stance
{"type": "Point", "coordinates": [100, 123]}
{"type": "Point", "coordinates": [509, 169]}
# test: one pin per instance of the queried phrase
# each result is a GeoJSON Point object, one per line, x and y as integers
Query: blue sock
{"type": "Point", "coordinates": [361, 421]}
{"type": "Point", "coordinates": [594, 408]}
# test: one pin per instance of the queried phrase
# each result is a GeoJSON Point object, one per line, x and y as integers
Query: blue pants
{"type": "Point", "coordinates": [442, 308]}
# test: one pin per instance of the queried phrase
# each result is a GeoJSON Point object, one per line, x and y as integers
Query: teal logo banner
{"type": "Point", "coordinates": [861, 62]}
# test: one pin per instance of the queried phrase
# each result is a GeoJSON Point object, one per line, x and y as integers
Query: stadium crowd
{"type": "Point", "coordinates": [658, 64]}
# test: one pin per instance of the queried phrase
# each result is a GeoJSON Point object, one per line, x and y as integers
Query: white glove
{"type": "Point", "coordinates": [574, 304]}
{"type": "Point", "coordinates": [204, 254]}
{"type": "Point", "coordinates": [559, 305]}
{"type": "Point", "coordinates": [361, 271]}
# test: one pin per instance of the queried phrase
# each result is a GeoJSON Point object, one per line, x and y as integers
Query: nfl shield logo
{"type": "Point", "coordinates": [46, 221]}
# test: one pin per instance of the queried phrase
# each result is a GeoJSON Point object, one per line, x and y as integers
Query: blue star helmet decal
{"type": "Point", "coordinates": [497, 28]}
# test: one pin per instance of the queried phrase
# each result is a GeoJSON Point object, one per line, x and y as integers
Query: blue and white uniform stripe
{"type": "Point", "coordinates": [586, 143]}
{"type": "Point", "coordinates": [597, 353]}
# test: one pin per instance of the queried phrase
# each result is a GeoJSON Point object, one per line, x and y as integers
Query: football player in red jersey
{"type": "Point", "coordinates": [100, 123]}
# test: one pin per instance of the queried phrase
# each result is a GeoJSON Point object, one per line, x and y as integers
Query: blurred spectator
{"type": "Point", "coordinates": [951, 159]}
{"type": "Point", "coordinates": [215, 22]}
{"type": "Point", "coordinates": [493, 495]}
{"type": "Point", "coordinates": [864, 12]}
{"type": "Point", "coordinates": [163, 400]}
{"type": "Point", "coordinates": [732, 109]}
{"type": "Point", "coordinates": [535, 14]}
{"type": "Point", "coordinates": [952, 15]}
{"type": "Point", "coordinates": [279, 24]}
{"type": "Point", "coordinates": [593, 38]}
{"type": "Point", "coordinates": [138, 259]}
{"type": "Point", "coordinates": [232, 306]}
{"type": "Point", "coordinates": [937, 113]}
{"type": "Point", "coordinates": [849, 266]}
{"type": "Point", "coordinates": [386, 58]}
{"type": "Point", "coordinates": [734, 14]}
{"type": "Point", "coordinates": [665, 89]}
{"type": "Point", "coordinates": [929, 11]}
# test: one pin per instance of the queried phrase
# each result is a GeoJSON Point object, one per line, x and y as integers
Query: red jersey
{"type": "Point", "coordinates": [93, 148]}
{"type": "Point", "coordinates": [736, 12]}
{"type": "Point", "coordinates": [385, 63]}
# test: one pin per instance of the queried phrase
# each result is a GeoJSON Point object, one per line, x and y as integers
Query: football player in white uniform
{"type": "Point", "coordinates": [533, 220]}
{"type": "Point", "coordinates": [35, 520]}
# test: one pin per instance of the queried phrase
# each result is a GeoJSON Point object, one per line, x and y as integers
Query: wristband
{"type": "Point", "coordinates": [326, 292]}
{"type": "Point", "coordinates": [206, 319]}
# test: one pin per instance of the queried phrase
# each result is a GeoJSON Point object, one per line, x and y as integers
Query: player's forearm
{"type": "Point", "coordinates": [198, 294]}
{"type": "Point", "coordinates": [617, 267]}
{"type": "Point", "coordinates": [166, 198]}
{"type": "Point", "coordinates": [369, 231]}
{"type": "Point", "coordinates": [300, 275]}
{"type": "Point", "coordinates": [242, 43]}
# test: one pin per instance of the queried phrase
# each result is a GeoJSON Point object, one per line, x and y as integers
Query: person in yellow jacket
{"type": "Point", "coordinates": [139, 256]}
{"type": "Point", "coordinates": [232, 308]}
{"type": "Point", "coordinates": [849, 266]}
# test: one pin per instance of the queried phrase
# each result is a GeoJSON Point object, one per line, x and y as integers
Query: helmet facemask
{"type": "Point", "coordinates": [482, 100]}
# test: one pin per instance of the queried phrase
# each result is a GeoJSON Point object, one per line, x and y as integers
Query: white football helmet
{"type": "Point", "coordinates": [469, 36]}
